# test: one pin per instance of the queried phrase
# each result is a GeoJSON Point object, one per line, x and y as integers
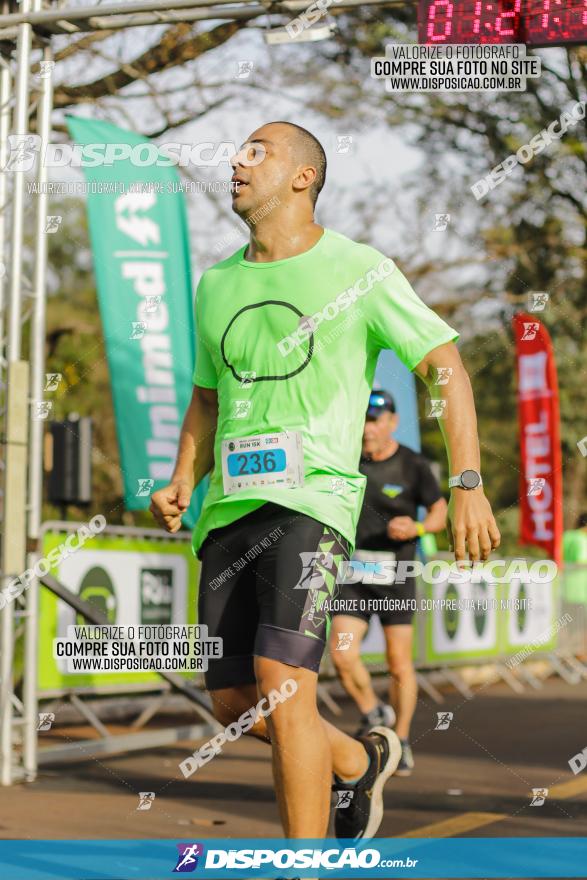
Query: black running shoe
{"type": "Point", "coordinates": [362, 817]}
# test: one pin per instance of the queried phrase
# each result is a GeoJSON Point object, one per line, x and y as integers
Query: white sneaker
{"type": "Point", "coordinates": [389, 717]}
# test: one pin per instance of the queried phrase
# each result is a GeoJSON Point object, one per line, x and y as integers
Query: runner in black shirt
{"type": "Point", "coordinates": [398, 482]}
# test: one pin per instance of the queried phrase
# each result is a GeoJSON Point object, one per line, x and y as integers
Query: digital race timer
{"type": "Point", "coordinates": [535, 22]}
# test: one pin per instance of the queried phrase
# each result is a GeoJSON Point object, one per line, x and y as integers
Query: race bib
{"type": "Point", "coordinates": [262, 460]}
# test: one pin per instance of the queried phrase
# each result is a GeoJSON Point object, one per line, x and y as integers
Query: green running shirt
{"type": "Point", "coordinates": [283, 372]}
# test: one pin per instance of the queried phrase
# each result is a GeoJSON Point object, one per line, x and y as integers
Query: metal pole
{"type": "Point", "coordinates": [5, 81]}
{"type": "Point", "coordinates": [5, 93]}
{"type": "Point", "coordinates": [6, 618]}
{"type": "Point", "coordinates": [37, 356]}
{"type": "Point", "coordinates": [6, 652]}
{"type": "Point", "coordinates": [20, 127]}
{"type": "Point", "coordinates": [14, 545]}
{"type": "Point", "coordinates": [113, 16]}
{"type": "Point", "coordinates": [76, 13]}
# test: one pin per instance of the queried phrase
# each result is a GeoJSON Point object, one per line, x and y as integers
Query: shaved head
{"type": "Point", "coordinates": [308, 151]}
{"type": "Point", "coordinates": [292, 168]}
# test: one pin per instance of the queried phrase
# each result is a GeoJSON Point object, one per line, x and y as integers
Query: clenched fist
{"type": "Point", "coordinates": [402, 528]}
{"type": "Point", "coordinates": [169, 504]}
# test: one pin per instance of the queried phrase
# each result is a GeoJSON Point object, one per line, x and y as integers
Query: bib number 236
{"type": "Point", "coordinates": [262, 460]}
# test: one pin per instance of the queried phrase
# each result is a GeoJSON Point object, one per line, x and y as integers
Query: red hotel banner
{"type": "Point", "coordinates": [541, 508]}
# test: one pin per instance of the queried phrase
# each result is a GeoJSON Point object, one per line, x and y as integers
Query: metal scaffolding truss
{"type": "Point", "coordinates": [22, 315]}
{"type": "Point", "coordinates": [27, 30]}
{"type": "Point", "coordinates": [61, 19]}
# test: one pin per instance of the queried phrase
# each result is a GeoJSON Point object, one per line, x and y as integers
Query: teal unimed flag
{"type": "Point", "coordinates": [139, 236]}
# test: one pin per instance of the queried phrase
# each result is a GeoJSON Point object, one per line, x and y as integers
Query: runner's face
{"type": "Point", "coordinates": [377, 432]}
{"type": "Point", "coordinates": [262, 169]}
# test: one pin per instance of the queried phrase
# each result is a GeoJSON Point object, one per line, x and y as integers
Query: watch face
{"type": "Point", "coordinates": [470, 479]}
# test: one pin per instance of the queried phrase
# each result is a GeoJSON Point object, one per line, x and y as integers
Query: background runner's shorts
{"type": "Point", "coordinates": [263, 583]}
{"type": "Point", "coordinates": [367, 596]}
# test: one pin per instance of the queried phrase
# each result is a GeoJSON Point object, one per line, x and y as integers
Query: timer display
{"type": "Point", "coordinates": [534, 22]}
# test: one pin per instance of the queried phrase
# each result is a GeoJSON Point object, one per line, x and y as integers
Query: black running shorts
{"type": "Point", "coordinates": [393, 604]}
{"type": "Point", "coordinates": [263, 582]}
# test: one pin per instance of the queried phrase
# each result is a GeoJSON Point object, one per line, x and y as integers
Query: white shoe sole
{"type": "Point", "coordinates": [395, 753]}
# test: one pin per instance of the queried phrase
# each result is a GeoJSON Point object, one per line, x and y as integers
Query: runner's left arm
{"type": "Point", "coordinates": [471, 525]}
{"type": "Point", "coordinates": [195, 458]}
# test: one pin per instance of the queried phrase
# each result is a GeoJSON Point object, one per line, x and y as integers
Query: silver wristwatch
{"type": "Point", "coordinates": [468, 479]}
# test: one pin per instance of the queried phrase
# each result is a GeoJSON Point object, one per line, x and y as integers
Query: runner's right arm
{"type": "Point", "coordinates": [195, 459]}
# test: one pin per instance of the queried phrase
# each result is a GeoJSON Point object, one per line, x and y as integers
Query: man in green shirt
{"type": "Point", "coordinates": [289, 331]}
{"type": "Point", "coordinates": [575, 553]}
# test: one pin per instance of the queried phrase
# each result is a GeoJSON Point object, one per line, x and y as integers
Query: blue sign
{"type": "Point", "coordinates": [481, 857]}
{"type": "Point", "coordinates": [394, 377]}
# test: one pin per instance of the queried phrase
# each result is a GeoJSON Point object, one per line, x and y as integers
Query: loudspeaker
{"type": "Point", "coordinates": [70, 477]}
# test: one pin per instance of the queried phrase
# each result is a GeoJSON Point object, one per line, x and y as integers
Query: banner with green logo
{"type": "Point", "coordinates": [463, 621]}
{"type": "Point", "coordinates": [490, 620]}
{"type": "Point", "coordinates": [132, 581]}
{"type": "Point", "coordinates": [531, 627]}
{"type": "Point", "coordinates": [139, 237]}
{"type": "Point", "coordinates": [458, 622]}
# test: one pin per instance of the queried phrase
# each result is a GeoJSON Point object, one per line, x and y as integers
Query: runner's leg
{"type": "Point", "coordinates": [351, 670]}
{"type": "Point", "coordinates": [293, 629]}
{"type": "Point", "coordinates": [302, 761]}
{"type": "Point", "coordinates": [230, 611]}
{"type": "Point", "coordinates": [403, 683]}
{"type": "Point", "coordinates": [230, 703]}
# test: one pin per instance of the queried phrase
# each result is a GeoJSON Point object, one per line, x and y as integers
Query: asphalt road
{"type": "Point", "coordinates": [474, 779]}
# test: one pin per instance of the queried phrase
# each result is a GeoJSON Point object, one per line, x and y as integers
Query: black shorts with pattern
{"type": "Point", "coordinates": [263, 584]}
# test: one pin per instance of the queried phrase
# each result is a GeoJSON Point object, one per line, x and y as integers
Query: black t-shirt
{"type": "Point", "coordinates": [396, 486]}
